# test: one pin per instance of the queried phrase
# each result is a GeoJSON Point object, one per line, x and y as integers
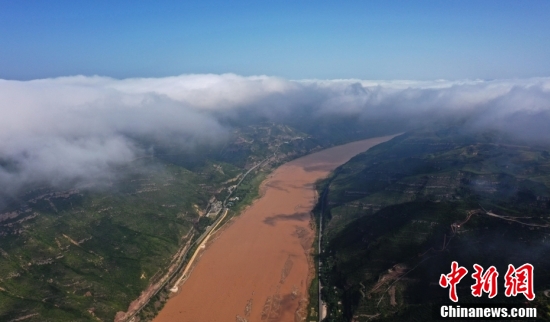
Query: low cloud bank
{"type": "Point", "coordinates": [70, 129]}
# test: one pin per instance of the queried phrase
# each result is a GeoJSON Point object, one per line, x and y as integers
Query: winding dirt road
{"type": "Point", "coordinates": [257, 269]}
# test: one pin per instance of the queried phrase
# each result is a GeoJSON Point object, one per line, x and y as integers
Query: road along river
{"type": "Point", "coordinates": [257, 268]}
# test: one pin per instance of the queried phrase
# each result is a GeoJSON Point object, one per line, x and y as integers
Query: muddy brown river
{"type": "Point", "coordinates": [259, 267]}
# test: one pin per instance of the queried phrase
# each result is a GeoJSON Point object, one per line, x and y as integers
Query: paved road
{"type": "Point", "coordinates": [321, 304]}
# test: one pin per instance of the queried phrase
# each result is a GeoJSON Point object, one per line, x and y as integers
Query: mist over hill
{"type": "Point", "coordinates": [73, 130]}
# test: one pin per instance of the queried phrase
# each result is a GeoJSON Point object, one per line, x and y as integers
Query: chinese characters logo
{"type": "Point", "coordinates": [517, 281]}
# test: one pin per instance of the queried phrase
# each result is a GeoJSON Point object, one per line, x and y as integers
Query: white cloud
{"type": "Point", "coordinates": [68, 128]}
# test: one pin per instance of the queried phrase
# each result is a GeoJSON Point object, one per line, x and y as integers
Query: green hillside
{"type": "Point", "coordinates": [85, 253]}
{"type": "Point", "coordinates": [399, 214]}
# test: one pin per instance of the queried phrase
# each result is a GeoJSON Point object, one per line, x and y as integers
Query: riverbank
{"type": "Point", "coordinates": [257, 269]}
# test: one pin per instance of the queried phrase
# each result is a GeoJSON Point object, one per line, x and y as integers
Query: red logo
{"type": "Point", "coordinates": [520, 280]}
{"type": "Point", "coordinates": [453, 278]}
{"type": "Point", "coordinates": [517, 281]}
{"type": "Point", "coordinates": [485, 282]}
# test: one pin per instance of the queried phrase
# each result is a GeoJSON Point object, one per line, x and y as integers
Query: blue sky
{"type": "Point", "coordinates": [291, 39]}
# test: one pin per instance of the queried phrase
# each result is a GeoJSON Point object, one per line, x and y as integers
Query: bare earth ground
{"type": "Point", "coordinates": [257, 269]}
